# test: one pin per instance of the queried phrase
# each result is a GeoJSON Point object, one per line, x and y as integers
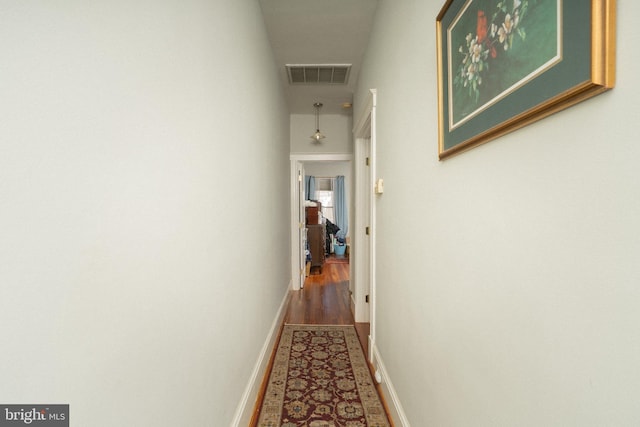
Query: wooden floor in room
{"type": "Point", "coordinates": [324, 298]}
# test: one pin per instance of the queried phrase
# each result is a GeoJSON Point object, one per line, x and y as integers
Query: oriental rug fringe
{"type": "Point", "coordinates": [320, 378]}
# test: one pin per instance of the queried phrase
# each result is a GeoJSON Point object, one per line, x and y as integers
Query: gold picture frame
{"type": "Point", "coordinates": [493, 80]}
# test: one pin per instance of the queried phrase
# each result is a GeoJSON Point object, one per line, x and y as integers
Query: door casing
{"type": "Point", "coordinates": [364, 252]}
{"type": "Point", "coordinates": [297, 209]}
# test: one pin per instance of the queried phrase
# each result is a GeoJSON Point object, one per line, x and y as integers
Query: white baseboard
{"type": "Point", "coordinates": [390, 395]}
{"type": "Point", "coordinates": [352, 305]}
{"type": "Point", "coordinates": [244, 412]}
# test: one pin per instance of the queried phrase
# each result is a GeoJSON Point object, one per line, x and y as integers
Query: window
{"type": "Point", "coordinates": [324, 194]}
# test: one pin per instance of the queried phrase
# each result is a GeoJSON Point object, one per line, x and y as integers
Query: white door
{"type": "Point", "coordinates": [298, 230]}
{"type": "Point", "coordinates": [362, 232]}
{"type": "Point", "coordinates": [302, 229]}
{"type": "Point", "coordinates": [367, 184]}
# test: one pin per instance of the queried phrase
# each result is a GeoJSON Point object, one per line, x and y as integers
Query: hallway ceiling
{"type": "Point", "coordinates": [319, 32]}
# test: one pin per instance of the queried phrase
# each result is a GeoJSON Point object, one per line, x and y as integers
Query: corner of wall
{"type": "Point", "coordinates": [396, 412]}
{"type": "Point", "coordinates": [247, 403]}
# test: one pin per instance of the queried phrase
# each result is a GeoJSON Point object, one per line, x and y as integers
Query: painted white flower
{"type": "Point", "coordinates": [508, 24]}
{"type": "Point", "coordinates": [471, 71]}
{"type": "Point", "coordinates": [476, 52]}
{"type": "Point", "coordinates": [502, 34]}
{"type": "Point", "coordinates": [516, 4]}
{"type": "Point", "coordinates": [472, 43]}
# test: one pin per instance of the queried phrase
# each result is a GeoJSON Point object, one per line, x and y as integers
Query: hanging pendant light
{"type": "Point", "coordinates": [317, 136]}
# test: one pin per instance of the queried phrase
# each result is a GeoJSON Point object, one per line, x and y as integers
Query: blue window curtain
{"type": "Point", "coordinates": [310, 187]}
{"type": "Point", "coordinates": [340, 201]}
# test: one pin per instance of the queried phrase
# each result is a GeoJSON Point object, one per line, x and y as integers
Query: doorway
{"type": "Point", "coordinates": [322, 165]}
{"type": "Point", "coordinates": [362, 214]}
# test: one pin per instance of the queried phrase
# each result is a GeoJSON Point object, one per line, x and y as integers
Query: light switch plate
{"type": "Point", "coordinates": [379, 188]}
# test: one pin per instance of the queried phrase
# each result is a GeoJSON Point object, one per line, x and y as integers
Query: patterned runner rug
{"type": "Point", "coordinates": [320, 378]}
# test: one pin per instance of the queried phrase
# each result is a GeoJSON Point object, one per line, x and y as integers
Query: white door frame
{"type": "Point", "coordinates": [364, 133]}
{"type": "Point", "coordinates": [297, 161]}
{"type": "Point", "coordinates": [299, 231]}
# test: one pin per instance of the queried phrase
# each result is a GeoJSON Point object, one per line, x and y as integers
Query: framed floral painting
{"type": "Point", "coordinates": [503, 64]}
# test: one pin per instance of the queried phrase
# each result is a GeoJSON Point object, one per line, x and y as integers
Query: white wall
{"type": "Point", "coordinates": [336, 128]}
{"type": "Point", "coordinates": [141, 269]}
{"type": "Point", "coordinates": [508, 276]}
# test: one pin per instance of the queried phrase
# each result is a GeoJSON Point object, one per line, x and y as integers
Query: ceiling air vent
{"type": "Point", "coordinates": [328, 74]}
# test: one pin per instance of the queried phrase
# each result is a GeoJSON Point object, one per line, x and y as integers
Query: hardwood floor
{"type": "Point", "coordinates": [324, 300]}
